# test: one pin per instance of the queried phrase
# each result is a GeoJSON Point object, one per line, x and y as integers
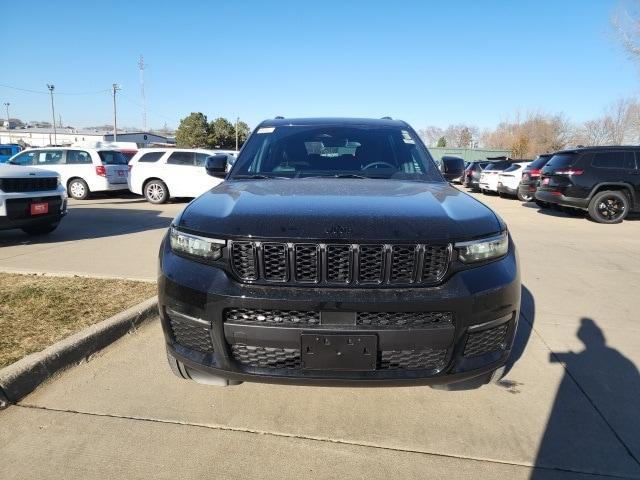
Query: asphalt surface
{"type": "Point", "coordinates": [568, 408]}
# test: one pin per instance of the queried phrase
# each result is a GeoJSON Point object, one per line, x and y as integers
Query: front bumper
{"type": "Point", "coordinates": [555, 197]}
{"type": "Point", "coordinates": [15, 209]}
{"type": "Point", "coordinates": [195, 301]}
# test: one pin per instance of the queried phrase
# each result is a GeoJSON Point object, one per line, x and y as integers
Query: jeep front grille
{"type": "Point", "coordinates": [323, 264]}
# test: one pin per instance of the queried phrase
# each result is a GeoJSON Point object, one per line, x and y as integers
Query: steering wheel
{"type": "Point", "coordinates": [375, 164]}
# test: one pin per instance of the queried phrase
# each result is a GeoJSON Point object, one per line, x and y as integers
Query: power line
{"type": "Point", "coordinates": [45, 92]}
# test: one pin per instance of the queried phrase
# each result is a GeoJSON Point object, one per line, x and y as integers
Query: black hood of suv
{"type": "Point", "coordinates": [327, 208]}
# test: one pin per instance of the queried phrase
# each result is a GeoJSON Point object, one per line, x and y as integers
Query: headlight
{"type": "Point", "coordinates": [483, 249]}
{"type": "Point", "coordinates": [196, 246]}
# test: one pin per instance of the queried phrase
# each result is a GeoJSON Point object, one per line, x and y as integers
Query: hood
{"type": "Point", "coordinates": [17, 171]}
{"type": "Point", "coordinates": [330, 209]}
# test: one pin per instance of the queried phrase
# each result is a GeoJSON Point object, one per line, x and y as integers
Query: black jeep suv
{"type": "Point", "coordinates": [530, 176]}
{"type": "Point", "coordinates": [605, 181]}
{"type": "Point", "coordinates": [336, 253]}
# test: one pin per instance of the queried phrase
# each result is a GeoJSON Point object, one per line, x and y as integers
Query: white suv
{"type": "Point", "coordinates": [31, 199]}
{"type": "Point", "coordinates": [509, 179]}
{"type": "Point", "coordinates": [81, 170]}
{"type": "Point", "coordinates": [162, 173]}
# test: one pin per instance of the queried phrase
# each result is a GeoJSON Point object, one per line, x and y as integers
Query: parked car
{"type": "Point", "coordinates": [604, 181]}
{"type": "Point", "coordinates": [8, 150]}
{"type": "Point", "coordinates": [489, 177]}
{"type": "Point", "coordinates": [509, 179]}
{"type": "Point", "coordinates": [162, 173]}
{"type": "Point", "coordinates": [471, 176]}
{"type": "Point", "coordinates": [82, 170]}
{"type": "Point", "coordinates": [31, 199]}
{"type": "Point", "coordinates": [530, 176]}
{"type": "Point", "coordinates": [457, 162]}
{"type": "Point", "coordinates": [362, 268]}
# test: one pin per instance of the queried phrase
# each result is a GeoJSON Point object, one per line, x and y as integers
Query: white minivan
{"type": "Point", "coordinates": [162, 173]}
{"type": "Point", "coordinates": [81, 170]}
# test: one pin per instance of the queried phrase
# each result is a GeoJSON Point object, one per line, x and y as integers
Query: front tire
{"type": "Point", "coordinates": [42, 229]}
{"type": "Point", "coordinates": [78, 189]}
{"type": "Point", "coordinates": [156, 192]}
{"type": "Point", "coordinates": [609, 206]}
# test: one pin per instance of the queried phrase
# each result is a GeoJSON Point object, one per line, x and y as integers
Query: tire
{"type": "Point", "coordinates": [156, 191]}
{"type": "Point", "coordinates": [609, 206]}
{"type": "Point", "coordinates": [41, 229]}
{"type": "Point", "coordinates": [524, 198]}
{"type": "Point", "coordinates": [78, 189]}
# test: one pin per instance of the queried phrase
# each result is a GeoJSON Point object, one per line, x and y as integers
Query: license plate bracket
{"type": "Point", "coordinates": [333, 351]}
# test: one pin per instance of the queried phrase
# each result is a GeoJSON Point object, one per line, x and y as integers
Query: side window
{"type": "Point", "coordinates": [181, 158]}
{"type": "Point", "coordinates": [609, 160]}
{"type": "Point", "coordinates": [49, 157]}
{"type": "Point", "coordinates": [201, 159]}
{"type": "Point", "coordinates": [150, 157]}
{"type": "Point", "coordinates": [78, 157]}
{"type": "Point", "coordinates": [25, 158]}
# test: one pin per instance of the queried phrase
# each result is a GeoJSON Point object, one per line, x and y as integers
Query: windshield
{"type": "Point", "coordinates": [112, 157]}
{"type": "Point", "coordinates": [337, 151]}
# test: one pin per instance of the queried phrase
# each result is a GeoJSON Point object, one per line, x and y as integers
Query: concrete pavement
{"type": "Point", "coordinates": [567, 409]}
{"type": "Point", "coordinates": [114, 236]}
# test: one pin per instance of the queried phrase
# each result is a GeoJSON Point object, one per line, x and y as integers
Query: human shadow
{"type": "Point", "coordinates": [89, 222]}
{"type": "Point", "coordinates": [602, 382]}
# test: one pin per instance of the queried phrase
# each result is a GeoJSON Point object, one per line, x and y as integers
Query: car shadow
{"type": "Point", "coordinates": [525, 326]}
{"type": "Point", "coordinates": [91, 222]}
{"type": "Point", "coordinates": [610, 383]}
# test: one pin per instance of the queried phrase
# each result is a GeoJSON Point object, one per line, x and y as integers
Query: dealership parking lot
{"type": "Point", "coordinates": [568, 407]}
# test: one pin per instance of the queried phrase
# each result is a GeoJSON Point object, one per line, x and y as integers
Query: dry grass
{"type": "Point", "coordinates": [37, 311]}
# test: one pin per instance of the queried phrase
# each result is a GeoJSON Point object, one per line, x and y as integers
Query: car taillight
{"type": "Point", "coordinates": [100, 170]}
{"type": "Point", "coordinates": [569, 171]}
{"type": "Point", "coordinates": [534, 172]}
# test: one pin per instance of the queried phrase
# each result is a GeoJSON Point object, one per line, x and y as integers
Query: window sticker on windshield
{"type": "Point", "coordinates": [406, 137]}
{"type": "Point", "coordinates": [266, 130]}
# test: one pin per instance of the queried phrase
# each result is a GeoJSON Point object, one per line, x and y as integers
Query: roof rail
{"type": "Point", "coordinates": [279, 117]}
{"type": "Point", "coordinates": [386, 118]}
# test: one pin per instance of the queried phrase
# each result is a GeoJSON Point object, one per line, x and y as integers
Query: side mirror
{"type": "Point", "coordinates": [216, 165]}
{"type": "Point", "coordinates": [452, 168]}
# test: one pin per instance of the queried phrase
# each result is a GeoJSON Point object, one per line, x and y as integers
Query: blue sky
{"type": "Point", "coordinates": [427, 62]}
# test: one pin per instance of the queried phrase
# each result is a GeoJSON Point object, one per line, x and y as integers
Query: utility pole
{"type": "Point", "coordinates": [6, 105]}
{"type": "Point", "coordinates": [237, 120]}
{"type": "Point", "coordinates": [51, 88]}
{"type": "Point", "coordinates": [115, 87]}
{"type": "Point", "coordinates": [142, 66]}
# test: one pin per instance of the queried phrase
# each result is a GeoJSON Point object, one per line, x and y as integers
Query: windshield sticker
{"type": "Point", "coordinates": [406, 137]}
{"type": "Point", "coordinates": [266, 130]}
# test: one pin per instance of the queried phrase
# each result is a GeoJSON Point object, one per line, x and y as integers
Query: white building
{"type": "Point", "coordinates": [42, 137]}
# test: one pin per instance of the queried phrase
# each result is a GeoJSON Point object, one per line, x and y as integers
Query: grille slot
{"type": "Point", "coordinates": [191, 335]}
{"type": "Point", "coordinates": [339, 264]}
{"type": "Point", "coordinates": [266, 357]}
{"type": "Point", "coordinates": [403, 263]}
{"type": "Point", "coordinates": [371, 262]}
{"type": "Point", "coordinates": [412, 359]}
{"type": "Point", "coordinates": [36, 184]}
{"type": "Point", "coordinates": [274, 258]}
{"type": "Point", "coordinates": [306, 262]}
{"type": "Point", "coordinates": [400, 320]}
{"type": "Point", "coordinates": [486, 341]}
{"type": "Point", "coordinates": [243, 259]}
{"type": "Point", "coordinates": [276, 317]}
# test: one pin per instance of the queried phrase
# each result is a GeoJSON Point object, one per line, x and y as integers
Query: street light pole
{"type": "Point", "coordinates": [237, 120]}
{"type": "Point", "coordinates": [116, 87]}
{"type": "Point", "coordinates": [53, 114]}
{"type": "Point", "coordinates": [6, 104]}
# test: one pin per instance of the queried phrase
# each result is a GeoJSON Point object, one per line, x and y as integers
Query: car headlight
{"type": "Point", "coordinates": [483, 249]}
{"type": "Point", "coordinates": [195, 246]}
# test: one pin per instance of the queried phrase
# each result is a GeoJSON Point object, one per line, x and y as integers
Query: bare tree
{"type": "Point", "coordinates": [626, 21]}
{"type": "Point", "coordinates": [430, 135]}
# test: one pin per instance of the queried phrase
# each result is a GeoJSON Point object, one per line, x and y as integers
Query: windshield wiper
{"type": "Point", "coordinates": [257, 176]}
{"type": "Point", "coordinates": [339, 175]}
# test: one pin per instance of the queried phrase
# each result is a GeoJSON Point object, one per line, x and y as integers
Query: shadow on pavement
{"type": "Point", "coordinates": [89, 222]}
{"type": "Point", "coordinates": [525, 325]}
{"type": "Point", "coordinates": [610, 383]}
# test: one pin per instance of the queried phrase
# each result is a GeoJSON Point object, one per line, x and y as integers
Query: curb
{"type": "Point", "coordinates": [25, 375]}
